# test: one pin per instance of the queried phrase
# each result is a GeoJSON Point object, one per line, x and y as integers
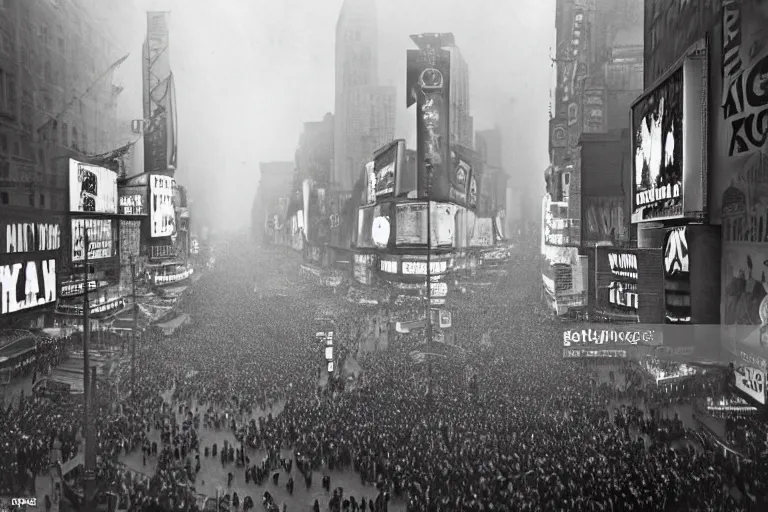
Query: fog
{"type": "Point", "coordinates": [248, 73]}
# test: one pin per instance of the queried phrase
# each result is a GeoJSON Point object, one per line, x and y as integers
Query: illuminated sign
{"type": "Point", "coordinates": [92, 188]}
{"type": "Point", "coordinates": [420, 267]}
{"type": "Point", "coordinates": [100, 239]}
{"type": "Point", "coordinates": [30, 237]}
{"type": "Point", "coordinates": [72, 289]}
{"type": "Point", "coordinates": [608, 336]}
{"type": "Point", "coordinates": [370, 191]}
{"type": "Point", "coordinates": [94, 308]}
{"type": "Point", "coordinates": [621, 293]}
{"type": "Point", "coordinates": [752, 382]}
{"type": "Point", "coordinates": [623, 264]}
{"type": "Point", "coordinates": [676, 252]}
{"type": "Point", "coordinates": [162, 251]}
{"type": "Point", "coordinates": [132, 204]}
{"type": "Point", "coordinates": [162, 210]}
{"type": "Point", "coordinates": [173, 278]}
{"type": "Point", "coordinates": [27, 285]}
{"type": "Point", "coordinates": [570, 353]}
{"type": "Point", "coordinates": [438, 289]}
{"type": "Point", "coordinates": [388, 266]}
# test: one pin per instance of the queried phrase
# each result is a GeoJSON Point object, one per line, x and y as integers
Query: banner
{"type": "Point", "coordinates": [133, 201]}
{"type": "Point", "coordinates": [100, 239]}
{"type": "Point", "coordinates": [751, 381]}
{"type": "Point", "coordinates": [162, 219]}
{"type": "Point", "coordinates": [91, 188]}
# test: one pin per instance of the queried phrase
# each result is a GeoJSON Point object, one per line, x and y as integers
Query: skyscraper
{"type": "Point", "coordinates": [356, 67]}
{"type": "Point", "coordinates": [377, 126]}
{"type": "Point", "coordinates": [461, 122]}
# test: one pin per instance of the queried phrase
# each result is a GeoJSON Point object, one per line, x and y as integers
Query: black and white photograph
{"type": "Point", "coordinates": [383, 256]}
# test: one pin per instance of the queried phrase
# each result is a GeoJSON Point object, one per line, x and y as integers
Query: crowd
{"type": "Point", "coordinates": [531, 432]}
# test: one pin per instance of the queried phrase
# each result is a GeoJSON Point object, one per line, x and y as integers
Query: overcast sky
{"type": "Point", "coordinates": [249, 72]}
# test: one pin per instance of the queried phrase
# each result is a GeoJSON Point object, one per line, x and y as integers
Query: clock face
{"type": "Point", "coordinates": [431, 77]}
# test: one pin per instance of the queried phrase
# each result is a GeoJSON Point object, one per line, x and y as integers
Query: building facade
{"type": "Point", "coordinates": [356, 67]}
{"type": "Point", "coordinates": [377, 120]}
{"type": "Point", "coordinates": [314, 156]}
{"type": "Point", "coordinates": [461, 129]}
{"type": "Point", "coordinates": [488, 144]}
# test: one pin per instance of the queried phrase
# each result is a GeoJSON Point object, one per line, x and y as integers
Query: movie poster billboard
{"type": "Point", "coordinates": [162, 211]}
{"type": "Point", "coordinates": [101, 239]}
{"type": "Point", "coordinates": [429, 81]}
{"type": "Point", "coordinates": [743, 185]}
{"type": "Point", "coordinates": [669, 132]}
{"type": "Point", "coordinates": [92, 189]}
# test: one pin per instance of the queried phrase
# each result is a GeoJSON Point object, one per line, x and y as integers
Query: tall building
{"type": "Point", "coordinates": [356, 67]}
{"type": "Point", "coordinates": [54, 103]}
{"type": "Point", "coordinates": [488, 144]}
{"type": "Point", "coordinates": [461, 128]}
{"type": "Point", "coordinates": [275, 181]}
{"type": "Point", "coordinates": [314, 155]}
{"type": "Point", "coordinates": [377, 121]}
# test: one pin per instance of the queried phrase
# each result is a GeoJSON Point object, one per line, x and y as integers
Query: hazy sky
{"type": "Point", "coordinates": [249, 72]}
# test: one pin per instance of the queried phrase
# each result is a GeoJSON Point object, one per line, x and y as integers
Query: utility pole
{"type": "Point", "coordinates": [133, 331]}
{"type": "Point", "coordinates": [89, 479]}
{"type": "Point", "coordinates": [429, 278]}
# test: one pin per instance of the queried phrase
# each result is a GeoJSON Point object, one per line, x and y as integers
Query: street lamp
{"type": "Point", "coordinates": [89, 455]}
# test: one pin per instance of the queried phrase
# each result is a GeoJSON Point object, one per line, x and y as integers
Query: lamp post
{"type": "Point", "coordinates": [133, 330]}
{"type": "Point", "coordinates": [89, 455]}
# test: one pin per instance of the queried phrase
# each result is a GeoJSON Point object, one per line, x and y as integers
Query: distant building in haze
{"type": "Point", "coordinates": [376, 124]}
{"type": "Point", "coordinates": [356, 67]}
{"type": "Point", "coordinates": [314, 155]}
{"type": "Point", "coordinates": [274, 182]}
{"type": "Point", "coordinates": [461, 128]}
{"type": "Point", "coordinates": [488, 144]}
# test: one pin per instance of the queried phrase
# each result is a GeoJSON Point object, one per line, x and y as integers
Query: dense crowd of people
{"type": "Point", "coordinates": [528, 431]}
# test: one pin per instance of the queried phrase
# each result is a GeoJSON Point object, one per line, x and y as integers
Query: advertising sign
{"type": "Point", "coordinates": [92, 189]}
{"type": "Point", "coordinates": [19, 237]}
{"type": "Point", "coordinates": [751, 381]}
{"type": "Point", "coordinates": [384, 171]}
{"type": "Point", "coordinates": [162, 218]}
{"type": "Point", "coordinates": [100, 239]}
{"type": "Point", "coordinates": [657, 120]}
{"type": "Point", "coordinates": [611, 336]}
{"type": "Point", "coordinates": [411, 224]}
{"type": "Point", "coordinates": [429, 78]}
{"type": "Point", "coordinates": [629, 284]}
{"type": "Point", "coordinates": [27, 283]}
{"type": "Point", "coordinates": [133, 201]}
{"type": "Point", "coordinates": [742, 188]}
{"type": "Point", "coordinates": [370, 189]}
{"type": "Point", "coordinates": [130, 240]}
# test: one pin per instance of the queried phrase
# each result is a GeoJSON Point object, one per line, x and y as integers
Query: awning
{"type": "Point", "coordinates": [171, 325]}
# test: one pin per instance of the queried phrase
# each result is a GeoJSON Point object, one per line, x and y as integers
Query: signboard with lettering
{"type": "Point", "coordinates": [621, 293]}
{"type": "Point", "coordinates": [751, 381]}
{"type": "Point", "coordinates": [94, 308]}
{"type": "Point", "coordinates": [133, 201]}
{"type": "Point", "coordinates": [26, 284]}
{"type": "Point", "coordinates": [100, 239]}
{"type": "Point", "coordinates": [72, 289]}
{"type": "Point", "coordinates": [611, 336]}
{"type": "Point", "coordinates": [21, 237]}
{"type": "Point", "coordinates": [162, 210]}
{"type": "Point", "coordinates": [92, 188]}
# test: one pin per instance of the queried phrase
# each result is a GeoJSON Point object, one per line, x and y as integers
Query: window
{"type": "Point", "coordinates": [4, 198]}
{"type": "Point", "coordinates": [64, 134]}
{"type": "Point", "coordinates": [42, 200]}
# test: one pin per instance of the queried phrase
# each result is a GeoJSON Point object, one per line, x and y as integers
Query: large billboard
{"type": "Point", "coordinates": [162, 219]}
{"type": "Point", "coordinates": [430, 74]}
{"type": "Point", "coordinates": [669, 130]}
{"type": "Point", "coordinates": [628, 284]}
{"type": "Point", "coordinates": [742, 185]}
{"type": "Point", "coordinates": [159, 97]}
{"type": "Point", "coordinates": [385, 171]}
{"type": "Point", "coordinates": [28, 261]}
{"type": "Point", "coordinates": [92, 189]}
{"type": "Point", "coordinates": [101, 239]}
{"type": "Point", "coordinates": [411, 224]}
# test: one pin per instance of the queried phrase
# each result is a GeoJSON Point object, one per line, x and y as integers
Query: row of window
{"type": "Point", "coordinates": [33, 200]}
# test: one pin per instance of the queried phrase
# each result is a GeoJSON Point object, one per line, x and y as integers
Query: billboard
{"type": "Point", "coordinates": [370, 188]}
{"type": "Point", "coordinates": [411, 224]}
{"type": "Point", "coordinates": [133, 201]}
{"type": "Point", "coordinates": [751, 381]}
{"type": "Point", "coordinates": [669, 130]}
{"type": "Point", "coordinates": [429, 78]}
{"type": "Point", "coordinates": [159, 97]}
{"type": "Point", "coordinates": [385, 169]}
{"type": "Point", "coordinates": [101, 239]}
{"type": "Point", "coordinates": [27, 282]}
{"type": "Point", "coordinates": [162, 219]}
{"type": "Point", "coordinates": [628, 284]}
{"type": "Point", "coordinates": [21, 237]}
{"type": "Point", "coordinates": [466, 177]}
{"type": "Point", "coordinates": [92, 189]}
